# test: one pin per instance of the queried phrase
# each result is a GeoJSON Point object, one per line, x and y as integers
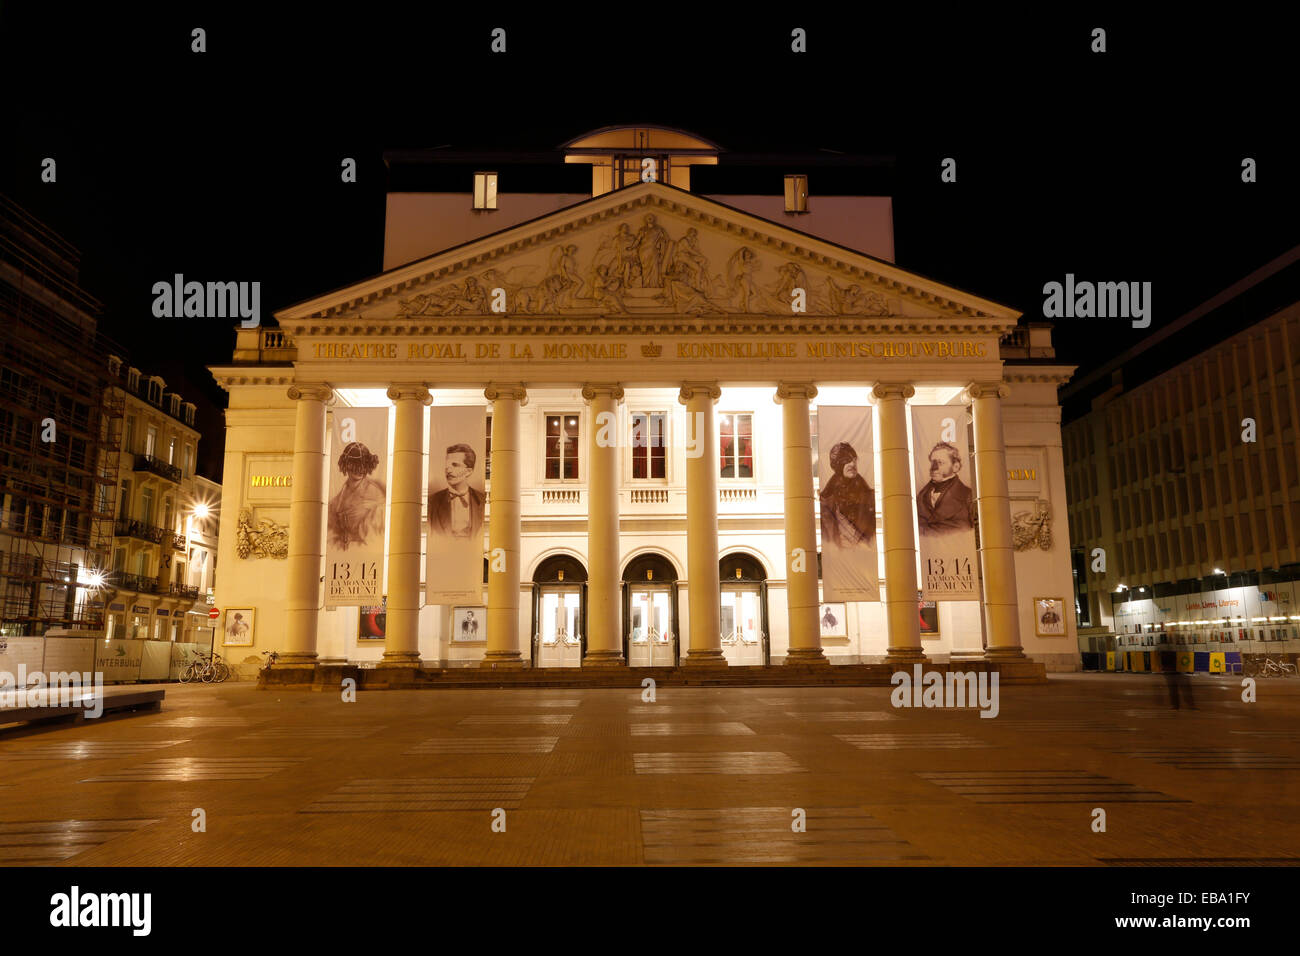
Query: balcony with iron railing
{"type": "Point", "coordinates": [183, 591]}
{"type": "Point", "coordinates": [158, 467]}
{"type": "Point", "coordinates": [134, 582]}
{"type": "Point", "coordinates": [131, 528]}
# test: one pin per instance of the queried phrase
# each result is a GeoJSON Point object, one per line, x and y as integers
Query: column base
{"type": "Point", "coordinates": [906, 655]}
{"type": "Point", "coordinates": [709, 658]}
{"type": "Point", "coordinates": [806, 655]}
{"type": "Point", "coordinates": [503, 660]}
{"type": "Point", "coordinates": [296, 659]}
{"type": "Point", "coordinates": [1004, 654]}
{"type": "Point", "coordinates": [400, 659]}
{"type": "Point", "coordinates": [604, 659]}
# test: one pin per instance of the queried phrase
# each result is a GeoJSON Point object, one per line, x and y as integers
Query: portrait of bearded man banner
{"type": "Point", "coordinates": [356, 512]}
{"type": "Point", "coordinates": [945, 505]}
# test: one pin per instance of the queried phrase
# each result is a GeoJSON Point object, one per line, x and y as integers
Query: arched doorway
{"type": "Point", "coordinates": [650, 612]}
{"type": "Point", "coordinates": [744, 611]}
{"type": "Point", "coordinates": [559, 612]}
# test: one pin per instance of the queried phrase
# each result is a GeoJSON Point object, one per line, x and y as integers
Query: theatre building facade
{"type": "Point", "coordinates": [648, 428]}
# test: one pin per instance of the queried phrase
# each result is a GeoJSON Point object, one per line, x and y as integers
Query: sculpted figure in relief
{"type": "Point", "coordinates": [854, 301]}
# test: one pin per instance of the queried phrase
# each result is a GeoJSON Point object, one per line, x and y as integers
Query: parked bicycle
{"type": "Point", "coordinates": [1267, 667]}
{"type": "Point", "coordinates": [271, 658]}
{"type": "Point", "coordinates": [209, 670]}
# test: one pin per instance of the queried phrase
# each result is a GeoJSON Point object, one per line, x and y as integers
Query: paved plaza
{"type": "Point", "coordinates": [701, 776]}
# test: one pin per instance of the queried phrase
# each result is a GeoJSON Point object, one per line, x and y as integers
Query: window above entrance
{"type": "Point", "coordinates": [736, 444]}
{"type": "Point", "coordinates": [561, 446]}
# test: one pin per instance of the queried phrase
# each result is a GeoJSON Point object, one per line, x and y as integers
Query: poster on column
{"type": "Point", "coordinates": [358, 506]}
{"type": "Point", "coordinates": [945, 504]}
{"type": "Point", "coordinates": [457, 504]}
{"type": "Point", "coordinates": [846, 467]}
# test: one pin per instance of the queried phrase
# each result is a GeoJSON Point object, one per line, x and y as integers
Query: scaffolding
{"type": "Point", "coordinates": [57, 497]}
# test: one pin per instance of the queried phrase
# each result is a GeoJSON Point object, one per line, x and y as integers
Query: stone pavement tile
{"type": "Point", "coordinates": [713, 728]}
{"type": "Point", "coordinates": [597, 728]}
{"type": "Point", "coordinates": [1213, 758]}
{"type": "Point", "coordinates": [423, 794]}
{"type": "Point", "coordinates": [468, 765]}
{"type": "Point", "coordinates": [842, 716]}
{"type": "Point", "coordinates": [58, 841]}
{"type": "Point", "coordinates": [746, 762]}
{"type": "Point", "coordinates": [588, 763]}
{"type": "Point", "coordinates": [197, 768]}
{"type": "Point", "coordinates": [83, 749]}
{"type": "Point", "coordinates": [766, 835]}
{"type": "Point", "coordinates": [461, 838]}
{"type": "Point", "coordinates": [483, 745]}
{"type": "Point", "coordinates": [913, 741]}
{"type": "Point", "coordinates": [576, 791]}
{"type": "Point", "coordinates": [651, 710]}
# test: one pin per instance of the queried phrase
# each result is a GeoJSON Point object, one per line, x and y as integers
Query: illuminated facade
{"type": "Point", "coordinates": [688, 531]}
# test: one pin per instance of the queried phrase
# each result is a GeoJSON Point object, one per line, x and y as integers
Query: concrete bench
{"type": "Point", "coordinates": [115, 699]}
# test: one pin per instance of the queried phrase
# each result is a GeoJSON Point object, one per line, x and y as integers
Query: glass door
{"type": "Point", "coordinates": [651, 641]}
{"type": "Point", "coordinates": [560, 627]}
{"type": "Point", "coordinates": [742, 625]}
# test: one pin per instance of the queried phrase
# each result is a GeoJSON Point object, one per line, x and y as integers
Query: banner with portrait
{"type": "Point", "coordinates": [846, 467]}
{"type": "Point", "coordinates": [945, 504]}
{"type": "Point", "coordinates": [457, 505]}
{"type": "Point", "coordinates": [358, 507]}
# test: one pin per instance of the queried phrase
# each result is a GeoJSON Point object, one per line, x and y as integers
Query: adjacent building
{"type": "Point", "coordinates": [58, 460]}
{"type": "Point", "coordinates": [1183, 468]}
{"type": "Point", "coordinates": [153, 590]}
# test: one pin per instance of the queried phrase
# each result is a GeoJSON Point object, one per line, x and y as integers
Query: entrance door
{"type": "Point", "coordinates": [651, 641]}
{"type": "Point", "coordinates": [742, 624]}
{"type": "Point", "coordinates": [559, 626]}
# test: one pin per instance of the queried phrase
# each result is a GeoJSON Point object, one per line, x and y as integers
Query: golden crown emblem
{"type": "Point", "coordinates": [651, 350]}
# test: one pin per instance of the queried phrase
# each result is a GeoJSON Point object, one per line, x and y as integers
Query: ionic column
{"type": "Point", "coordinates": [704, 589]}
{"type": "Point", "coordinates": [306, 522]}
{"type": "Point", "coordinates": [800, 526]}
{"type": "Point", "coordinates": [504, 528]}
{"type": "Point", "coordinates": [898, 507]}
{"type": "Point", "coordinates": [402, 640]}
{"type": "Point", "coordinates": [604, 639]}
{"type": "Point", "coordinates": [997, 551]}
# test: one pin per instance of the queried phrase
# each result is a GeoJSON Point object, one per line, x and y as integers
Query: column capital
{"type": "Point", "coordinates": [311, 392]}
{"type": "Point", "coordinates": [885, 390]}
{"type": "Point", "coordinates": [986, 390]}
{"type": "Point", "coordinates": [507, 390]}
{"type": "Point", "coordinates": [690, 389]}
{"type": "Point", "coordinates": [591, 390]}
{"type": "Point", "coordinates": [403, 391]}
{"type": "Point", "coordinates": [804, 390]}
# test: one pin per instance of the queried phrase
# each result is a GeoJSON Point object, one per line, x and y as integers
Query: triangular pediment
{"type": "Point", "coordinates": [649, 253]}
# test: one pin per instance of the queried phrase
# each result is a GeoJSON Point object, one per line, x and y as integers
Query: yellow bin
{"type": "Point", "coordinates": [1186, 662]}
{"type": "Point", "coordinates": [1110, 660]}
{"type": "Point", "coordinates": [1217, 664]}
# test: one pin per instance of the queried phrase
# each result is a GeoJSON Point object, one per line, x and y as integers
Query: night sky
{"type": "Point", "coordinates": [1116, 167]}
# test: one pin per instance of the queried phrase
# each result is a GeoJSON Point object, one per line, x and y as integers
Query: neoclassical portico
{"type": "Point", "coordinates": [717, 340]}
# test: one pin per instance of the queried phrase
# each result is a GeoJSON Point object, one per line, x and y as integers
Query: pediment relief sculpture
{"type": "Point", "coordinates": [651, 270]}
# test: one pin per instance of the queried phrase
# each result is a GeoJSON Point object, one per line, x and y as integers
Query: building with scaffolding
{"type": "Point", "coordinates": [59, 436]}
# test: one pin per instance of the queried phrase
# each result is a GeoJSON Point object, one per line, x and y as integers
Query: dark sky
{"type": "Point", "coordinates": [1123, 166]}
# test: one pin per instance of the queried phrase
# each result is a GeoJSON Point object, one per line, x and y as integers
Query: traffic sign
{"type": "Point", "coordinates": [214, 614]}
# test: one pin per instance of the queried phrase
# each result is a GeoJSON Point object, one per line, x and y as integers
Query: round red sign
{"type": "Point", "coordinates": [213, 614]}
